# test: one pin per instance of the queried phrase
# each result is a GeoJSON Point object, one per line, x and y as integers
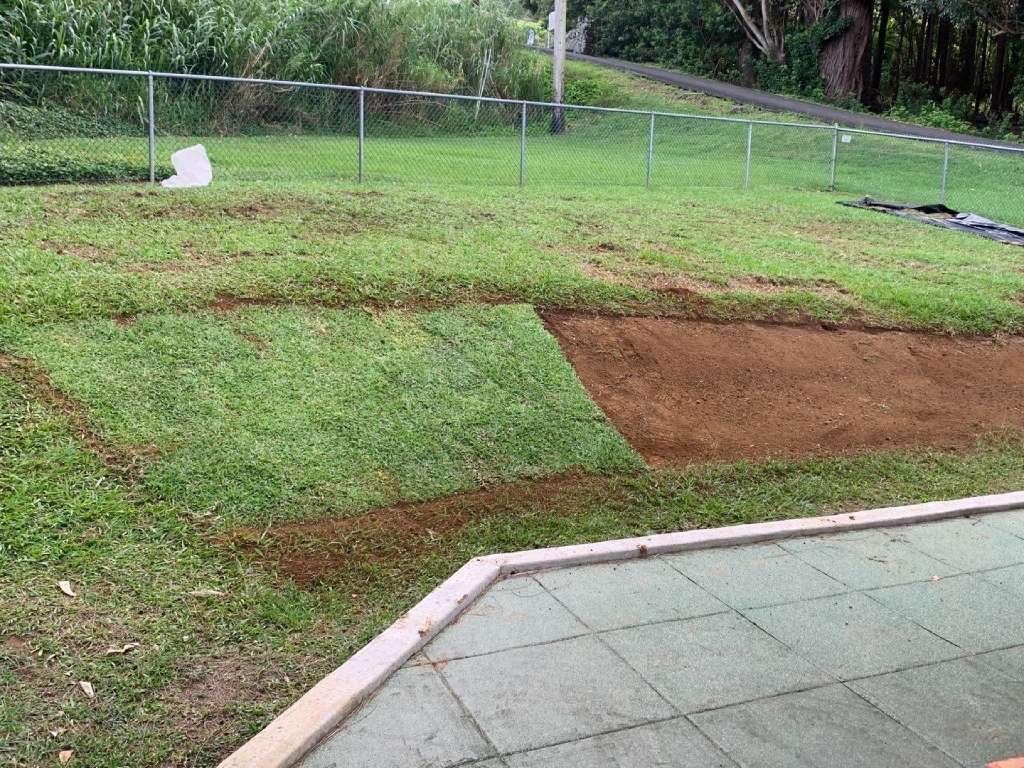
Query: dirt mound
{"type": "Point", "coordinates": [686, 391]}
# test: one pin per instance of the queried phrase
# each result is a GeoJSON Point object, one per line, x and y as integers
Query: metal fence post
{"type": "Point", "coordinates": [362, 131]}
{"type": "Point", "coordinates": [522, 144]}
{"type": "Point", "coordinates": [152, 128]}
{"type": "Point", "coordinates": [746, 168]}
{"type": "Point", "coordinates": [650, 150]}
{"type": "Point", "coordinates": [832, 164]}
{"type": "Point", "coordinates": [945, 171]}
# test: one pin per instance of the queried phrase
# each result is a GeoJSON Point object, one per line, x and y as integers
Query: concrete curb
{"type": "Point", "coordinates": [306, 722]}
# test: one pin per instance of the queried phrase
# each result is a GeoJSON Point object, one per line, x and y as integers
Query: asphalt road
{"type": "Point", "coordinates": [778, 103]}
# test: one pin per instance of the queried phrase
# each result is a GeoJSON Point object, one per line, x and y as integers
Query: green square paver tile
{"type": "Point", "coordinates": [624, 594]}
{"type": "Point", "coordinates": [713, 661]}
{"type": "Point", "coordinates": [1011, 578]}
{"type": "Point", "coordinates": [969, 710]}
{"type": "Point", "coordinates": [512, 613]}
{"type": "Point", "coordinates": [966, 610]}
{"type": "Point", "coordinates": [411, 720]}
{"type": "Point", "coordinates": [1009, 661]}
{"type": "Point", "coordinates": [966, 543]}
{"type": "Point", "coordinates": [823, 728]}
{"type": "Point", "coordinates": [750, 577]}
{"type": "Point", "coordinates": [668, 744]}
{"type": "Point", "coordinates": [1012, 522]}
{"type": "Point", "coordinates": [852, 635]}
{"type": "Point", "coordinates": [867, 559]}
{"type": "Point", "coordinates": [533, 697]}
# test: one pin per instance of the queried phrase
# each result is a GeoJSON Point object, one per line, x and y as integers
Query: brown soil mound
{"type": "Point", "coordinates": [686, 391]}
{"type": "Point", "coordinates": [316, 550]}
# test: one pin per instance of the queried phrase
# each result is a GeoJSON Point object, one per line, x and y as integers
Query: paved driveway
{"type": "Point", "coordinates": [773, 101]}
{"type": "Point", "coordinates": [867, 649]}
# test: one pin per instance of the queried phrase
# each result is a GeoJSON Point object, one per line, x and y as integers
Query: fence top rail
{"type": "Point", "coordinates": [495, 100]}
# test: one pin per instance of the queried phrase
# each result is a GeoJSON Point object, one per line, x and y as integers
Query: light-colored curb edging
{"type": "Point", "coordinates": [306, 722]}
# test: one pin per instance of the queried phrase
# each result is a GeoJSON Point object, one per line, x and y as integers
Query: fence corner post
{"type": "Point", "coordinates": [945, 171]}
{"type": "Point", "coordinates": [522, 144]}
{"type": "Point", "coordinates": [650, 150]}
{"type": "Point", "coordinates": [832, 163]}
{"type": "Point", "coordinates": [362, 131]}
{"type": "Point", "coordinates": [152, 127]}
{"type": "Point", "coordinates": [746, 166]}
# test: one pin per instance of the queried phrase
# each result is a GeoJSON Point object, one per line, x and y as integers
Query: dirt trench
{"type": "Point", "coordinates": [684, 391]}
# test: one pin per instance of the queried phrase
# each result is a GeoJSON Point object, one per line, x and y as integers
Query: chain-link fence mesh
{"type": "Point", "coordinates": [84, 126]}
{"type": "Point", "coordinates": [257, 131]}
{"type": "Point", "coordinates": [57, 127]}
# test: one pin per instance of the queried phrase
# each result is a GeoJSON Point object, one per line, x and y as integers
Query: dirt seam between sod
{"type": "Point", "coordinates": [306, 722]}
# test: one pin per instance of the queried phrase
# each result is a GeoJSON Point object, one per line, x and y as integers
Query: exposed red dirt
{"type": "Point", "coordinates": [317, 550]}
{"type": "Point", "coordinates": [685, 391]}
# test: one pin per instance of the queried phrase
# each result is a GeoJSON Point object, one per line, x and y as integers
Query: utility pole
{"type": "Point", "coordinates": [558, 120]}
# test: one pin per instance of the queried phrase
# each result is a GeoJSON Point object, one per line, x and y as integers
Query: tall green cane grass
{"type": "Point", "coordinates": [466, 46]}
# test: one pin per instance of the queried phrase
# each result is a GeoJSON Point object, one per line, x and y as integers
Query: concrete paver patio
{"type": "Point", "coordinates": [897, 646]}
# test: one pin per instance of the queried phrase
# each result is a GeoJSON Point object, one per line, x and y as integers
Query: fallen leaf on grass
{"type": "Point", "coordinates": [87, 688]}
{"type": "Point", "coordinates": [65, 587]}
{"type": "Point", "coordinates": [65, 756]}
{"type": "Point", "coordinates": [115, 651]}
{"type": "Point", "coordinates": [206, 593]}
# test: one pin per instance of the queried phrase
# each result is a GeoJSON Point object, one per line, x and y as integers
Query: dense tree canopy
{"type": "Point", "coordinates": [953, 63]}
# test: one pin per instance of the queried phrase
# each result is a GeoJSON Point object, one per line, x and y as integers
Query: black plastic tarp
{"type": "Point", "coordinates": [941, 216]}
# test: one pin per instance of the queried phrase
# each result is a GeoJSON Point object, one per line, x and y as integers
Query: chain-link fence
{"type": "Point", "coordinates": [65, 124]}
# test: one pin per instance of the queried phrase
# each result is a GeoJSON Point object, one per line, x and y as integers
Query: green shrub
{"type": "Point", "coordinates": [26, 164]}
{"type": "Point", "coordinates": [932, 115]}
{"type": "Point", "coordinates": [51, 121]}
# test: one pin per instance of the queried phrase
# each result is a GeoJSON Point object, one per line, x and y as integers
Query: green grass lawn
{"type": "Point", "coordinates": [181, 373]}
{"type": "Point", "coordinates": [437, 143]}
{"type": "Point", "coordinates": [77, 253]}
{"type": "Point", "coordinates": [224, 645]}
{"type": "Point", "coordinates": [265, 414]}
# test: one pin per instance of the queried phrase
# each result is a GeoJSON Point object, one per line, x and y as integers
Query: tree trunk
{"type": "Point", "coordinates": [999, 89]}
{"type": "Point", "coordinates": [979, 85]}
{"type": "Point", "coordinates": [842, 58]}
{"type": "Point", "coordinates": [968, 56]}
{"type": "Point", "coordinates": [875, 84]}
{"type": "Point", "coordinates": [924, 52]}
{"type": "Point", "coordinates": [865, 60]}
{"type": "Point", "coordinates": [941, 78]}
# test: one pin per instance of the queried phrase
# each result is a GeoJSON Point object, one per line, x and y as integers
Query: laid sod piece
{"type": "Point", "coordinates": [73, 253]}
{"type": "Point", "coordinates": [261, 414]}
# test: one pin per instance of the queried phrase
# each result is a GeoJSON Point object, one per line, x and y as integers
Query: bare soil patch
{"type": "Point", "coordinates": [320, 550]}
{"type": "Point", "coordinates": [686, 391]}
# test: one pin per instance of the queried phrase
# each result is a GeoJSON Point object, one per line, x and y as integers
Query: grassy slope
{"type": "Point", "coordinates": [184, 400]}
{"type": "Point", "coordinates": [78, 253]}
{"type": "Point", "coordinates": [210, 670]}
{"type": "Point", "coordinates": [267, 414]}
